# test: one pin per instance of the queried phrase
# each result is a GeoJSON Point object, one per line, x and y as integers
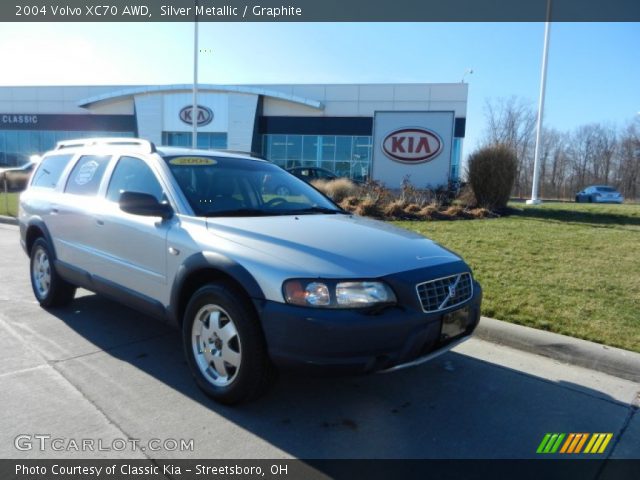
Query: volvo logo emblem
{"type": "Point", "coordinates": [204, 115]}
{"type": "Point", "coordinates": [452, 290]}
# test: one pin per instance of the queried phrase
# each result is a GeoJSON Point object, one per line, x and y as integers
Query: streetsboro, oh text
{"type": "Point", "coordinates": [126, 469]}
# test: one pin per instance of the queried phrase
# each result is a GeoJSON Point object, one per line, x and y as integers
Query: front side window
{"type": "Point", "coordinates": [243, 187]}
{"type": "Point", "coordinates": [49, 171]}
{"type": "Point", "coordinates": [87, 174]}
{"type": "Point", "coordinates": [133, 175]}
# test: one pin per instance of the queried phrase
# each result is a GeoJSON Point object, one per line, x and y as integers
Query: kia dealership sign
{"type": "Point", "coordinates": [415, 144]}
{"type": "Point", "coordinates": [204, 115]}
{"type": "Point", "coordinates": [412, 145]}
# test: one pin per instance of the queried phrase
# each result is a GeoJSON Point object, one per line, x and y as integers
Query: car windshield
{"type": "Point", "coordinates": [225, 186]}
{"type": "Point", "coordinates": [606, 189]}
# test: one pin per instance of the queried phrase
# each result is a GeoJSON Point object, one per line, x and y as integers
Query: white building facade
{"type": "Point", "coordinates": [381, 131]}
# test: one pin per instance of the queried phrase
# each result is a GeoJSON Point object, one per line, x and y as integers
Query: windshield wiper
{"type": "Point", "coordinates": [302, 211]}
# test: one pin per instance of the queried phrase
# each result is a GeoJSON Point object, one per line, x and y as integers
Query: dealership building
{"type": "Point", "coordinates": [379, 131]}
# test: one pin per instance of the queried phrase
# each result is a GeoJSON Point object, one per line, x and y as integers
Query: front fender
{"type": "Point", "coordinates": [216, 262]}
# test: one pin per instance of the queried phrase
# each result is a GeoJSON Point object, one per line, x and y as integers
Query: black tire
{"type": "Point", "coordinates": [577, 198]}
{"type": "Point", "coordinates": [59, 292]}
{"type": "Point", "coordinates": [590, 199]}
{"type": "Point", "coordinates": [255, 373]}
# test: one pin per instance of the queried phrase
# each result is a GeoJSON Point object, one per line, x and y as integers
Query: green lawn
{"type": "Point", "coordinates": [9, 204]}
{"type": "Point", "coordinates": [568, 268]}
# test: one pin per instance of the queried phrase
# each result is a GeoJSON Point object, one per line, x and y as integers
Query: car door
{"type": "Point", "coordinates": [133, 247]}
{"type": "Point", "coordinates": [74, 211]}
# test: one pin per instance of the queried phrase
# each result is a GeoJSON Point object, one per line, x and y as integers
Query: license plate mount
{"type": "Point", "coordinates": [454, 324]}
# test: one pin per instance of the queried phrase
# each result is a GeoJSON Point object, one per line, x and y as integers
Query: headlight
{"type": "Point", "coordinates": [337, 294]}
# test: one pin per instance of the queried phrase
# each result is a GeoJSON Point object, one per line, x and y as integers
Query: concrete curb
{"type": "Point", "coordinates": [613, 361]}
{"type": "Point", "coordinates": [8, 220]}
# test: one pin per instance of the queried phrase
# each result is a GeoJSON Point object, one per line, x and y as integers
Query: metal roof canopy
{"type": "Point", "coordinates": [130, 92]}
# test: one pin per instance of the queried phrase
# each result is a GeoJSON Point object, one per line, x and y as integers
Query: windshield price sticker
{"type": "Point", "coordinates": [192, 161]}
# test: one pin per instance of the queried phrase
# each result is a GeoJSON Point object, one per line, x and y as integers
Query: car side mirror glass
{"type": "Point", "coordinates": [138, 203]}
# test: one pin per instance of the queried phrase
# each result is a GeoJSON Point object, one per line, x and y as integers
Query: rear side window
{"type": "Point", "coordinates": [86, 175]}
{"type": "Point", "coordinates": [133, 175]}
{"type": "Point", "coordinates": [49, 171]}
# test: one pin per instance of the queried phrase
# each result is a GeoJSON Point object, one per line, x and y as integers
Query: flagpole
{"type": "Point", "coordinates": [194, 108]}
{"type": "Point", "coordinates": [535, 200]}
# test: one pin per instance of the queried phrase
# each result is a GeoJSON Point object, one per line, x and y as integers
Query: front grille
{"type": "Point", "coordinates": [445, 292]}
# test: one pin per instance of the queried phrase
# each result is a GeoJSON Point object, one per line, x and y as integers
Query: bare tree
{"type": "Point", "coordinates": [591, 154]}
{"type": "Point", "coordinates": [628, 174]}
{"type": "Point", "coordinates": [511, 122]}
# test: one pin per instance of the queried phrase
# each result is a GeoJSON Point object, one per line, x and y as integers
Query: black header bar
{"type": "Point", "coordinates": [318, 11]}
{"type": "Point", "coordinates": [287, 469]}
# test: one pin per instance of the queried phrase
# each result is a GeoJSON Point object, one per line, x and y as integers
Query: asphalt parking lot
{"type": "Point", "coordinates": [98, 370]}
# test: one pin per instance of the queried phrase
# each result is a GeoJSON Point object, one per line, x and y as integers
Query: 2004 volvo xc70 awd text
{"type": "Point", "coordinates": [255, 280]}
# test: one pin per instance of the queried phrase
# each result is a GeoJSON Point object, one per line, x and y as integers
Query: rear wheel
{"type": "Point", "coordinates": [48, 287]}
{"type": "Point", "coordinates": [224, 345]}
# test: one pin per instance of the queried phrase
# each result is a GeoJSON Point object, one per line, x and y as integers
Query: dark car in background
{"type": "Point", "coordinates": [308, 174]}
{"type": "Point", "coordinates": [15, 179]}
{"type": "Point", "coordinates": [599, 194]}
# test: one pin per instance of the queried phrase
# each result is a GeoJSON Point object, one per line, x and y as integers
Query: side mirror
{"type": "Point", "coordinates": [144, 204]}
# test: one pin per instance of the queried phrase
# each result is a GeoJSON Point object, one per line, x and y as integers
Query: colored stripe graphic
{"type": "Point", "coordinates": [551, 443]}
{"type": "Point", "coordinates": [607, 439]}
{"type": "Point", "coordinates": [593, 440]}
{"type": "Point", "coordinates": [574, 442]}
{"type": "Point", "coordinates": [568, 442]}
{"type": "Point", "coordinates": [582, 442]}
{"type": "Point", "coordinates": [543, 443]}
{"type": "Point", "coordinates": [599, 443]}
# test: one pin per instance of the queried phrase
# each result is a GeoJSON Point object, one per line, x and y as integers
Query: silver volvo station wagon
{"type": "Point", "coordinates": [255, 280]}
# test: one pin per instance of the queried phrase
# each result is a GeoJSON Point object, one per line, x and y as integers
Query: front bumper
{"type": "Point", "coordinates": [334, 341]}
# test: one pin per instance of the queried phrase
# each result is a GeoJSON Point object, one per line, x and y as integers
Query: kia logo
{"type": "Point", "coordinates": [205, 115]}
{"type": "Point", "coordinates": [412, 145]}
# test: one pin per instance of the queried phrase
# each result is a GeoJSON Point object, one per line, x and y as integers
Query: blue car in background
{"type": "Point", "coordinates": [599, 194]}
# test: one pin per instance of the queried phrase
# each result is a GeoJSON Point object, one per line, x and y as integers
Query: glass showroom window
{"type": "Point", "coordinates": [16, 146]}
{"type": "Point", "coordinates": [344, 155]}
{"type": "Point", "coordinates": [455, 159]}
{"type": "Point", "coordinates": [206, 140]}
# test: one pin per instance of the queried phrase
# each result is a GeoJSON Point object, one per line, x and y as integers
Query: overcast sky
{"type": "Point", "coordinates": [594, 68]}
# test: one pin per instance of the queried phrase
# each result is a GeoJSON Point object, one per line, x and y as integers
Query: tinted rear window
{"type": "Point", "coordinates": [50, 170]}
{"type": "Point", "coordinates": [87, 174]}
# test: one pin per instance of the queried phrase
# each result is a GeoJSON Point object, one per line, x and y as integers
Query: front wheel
{"type": "Point", "coordinates": [224, 345]}
{"type": "Point", "coordinates": [48, 287]}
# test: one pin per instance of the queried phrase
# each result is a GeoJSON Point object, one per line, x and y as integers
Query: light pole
{"type": "Point", "coordinates": [535, 200]}
{"type": "Point", "coordinates": [194, 107]}
{"type": "Point", "coordinates": [469, 71]}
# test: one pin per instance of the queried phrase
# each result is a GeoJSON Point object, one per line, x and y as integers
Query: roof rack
{"type": "Point", "coordinates": [115, 141]}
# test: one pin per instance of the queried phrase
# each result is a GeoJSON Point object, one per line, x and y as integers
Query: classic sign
{"type": "Point", "coordinates": [204, 115]}
{"type": "Point", "coordinates": [412, 145]}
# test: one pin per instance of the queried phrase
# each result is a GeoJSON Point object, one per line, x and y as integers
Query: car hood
{"type": "Point", "coordinates": [333, 245]}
